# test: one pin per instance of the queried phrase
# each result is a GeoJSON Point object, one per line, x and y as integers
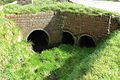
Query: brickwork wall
{"type": "Point", "coordinates": [49, 22]}
{"type": "Point", "coordinates": [95, 26]}
{"type": "Point", "coordinates": [55, 23]}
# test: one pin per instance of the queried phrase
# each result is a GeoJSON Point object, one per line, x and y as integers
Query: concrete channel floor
{"type": "Point", "coordinates": [105, 5]}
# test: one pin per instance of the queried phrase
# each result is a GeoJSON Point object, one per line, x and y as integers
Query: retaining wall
{"type": "Point", "coordinates": [95, 26]}
{"type": "Point", "coordinates": [98, 27]}
{"type": "Point", "coordinates": [49, 22]}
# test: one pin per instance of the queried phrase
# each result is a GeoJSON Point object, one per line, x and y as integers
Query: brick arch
{"type": "Point", "coordinates": [68, 38]}
{"type": "Point", "coordinates": [40, 40]}
{"type": "Point", "coordinates": [86, 40]}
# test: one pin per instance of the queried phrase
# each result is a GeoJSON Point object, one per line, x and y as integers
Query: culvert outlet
{"type": "Point", "coordinates": [39, 39]}
{"type": "Point", "coordinates": [86, 41]}
{"type": "Point", "coordinates": [67, 38]}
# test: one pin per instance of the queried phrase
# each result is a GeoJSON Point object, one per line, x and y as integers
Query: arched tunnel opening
{"type": "Point", "coordinates": [67, 38]}
{"type": "Point", "coordinates": [39, 39]}
{"type": "Point", "coordinates": [86, 41]}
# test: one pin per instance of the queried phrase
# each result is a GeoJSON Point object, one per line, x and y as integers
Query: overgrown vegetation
{"type": "Point", "coordinates": [61, 7]}
{"type": "Point", "coordinates": [19, 62]}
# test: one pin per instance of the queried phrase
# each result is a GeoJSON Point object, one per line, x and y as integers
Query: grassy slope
{"type": "Point", "coordinates": [103, 63]}
{"type": "Point", "coordinates": [19, 62]}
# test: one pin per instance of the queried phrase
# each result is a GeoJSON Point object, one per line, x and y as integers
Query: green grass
{"type": "Point", "coordinates": [19, 62]}
{"type": "Point", "coordinates": [6, 1]}
{"type": "Point", "coordinates": [56, 7]}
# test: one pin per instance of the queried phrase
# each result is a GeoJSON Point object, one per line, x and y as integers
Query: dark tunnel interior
{"type": "Point", "coordinates": [39, 39]}
{"type": "Point", "coordinates": [86, 41]}
{"type": "Point", "coordinates": [67, 38]}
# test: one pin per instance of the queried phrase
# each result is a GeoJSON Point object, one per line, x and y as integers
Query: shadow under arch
{"type": "Point", "coordinates": [68, 38]}
{"type": "Point", "coordinates": [86, 40]}
{"type": "Point", "coordinates": [39, 39]}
